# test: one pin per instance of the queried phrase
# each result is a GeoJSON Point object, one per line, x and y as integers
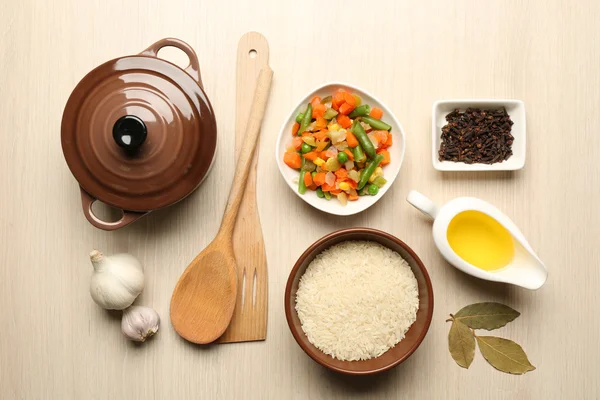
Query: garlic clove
{"type": "Point", "coordinates": [139, 323]}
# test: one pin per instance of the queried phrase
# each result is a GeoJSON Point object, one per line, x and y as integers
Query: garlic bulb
{"type": "Point", "coordinates": [117, 280]}
{"type": "Point", "coordinates": [139, 323]}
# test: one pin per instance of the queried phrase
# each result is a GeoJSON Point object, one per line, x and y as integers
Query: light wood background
{"type": "Point", "coordinates": [55, 343]}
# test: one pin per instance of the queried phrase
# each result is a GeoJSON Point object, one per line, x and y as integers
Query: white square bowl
{"type": "Point", "coordinates": [390, 171]}
{"type": "Point", "coordinates": [514, 108]}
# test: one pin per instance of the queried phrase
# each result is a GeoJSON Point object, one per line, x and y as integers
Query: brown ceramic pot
{"type": "Point", "coordinates": [139, 133]}
{"type": "Point", "coordinates": [414, 336]}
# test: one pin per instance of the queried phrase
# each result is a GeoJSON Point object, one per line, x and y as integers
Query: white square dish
{"type": "Point", "coordinates": [391, 171]}
{"type": "Point", "coordinates": [514, 108]}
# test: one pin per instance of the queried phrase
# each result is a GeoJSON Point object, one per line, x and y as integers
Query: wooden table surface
{"type": "Point", "coordinates": [55, 343]}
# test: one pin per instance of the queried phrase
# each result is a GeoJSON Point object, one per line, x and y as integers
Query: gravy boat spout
{"type": "Point", "coordinates": [525, 269]}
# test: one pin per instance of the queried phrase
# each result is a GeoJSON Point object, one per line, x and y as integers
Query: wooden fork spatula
{"type": "Point", "coordinates": [249, 320]}
{"type": "Point", "coordinates": [206, 295]}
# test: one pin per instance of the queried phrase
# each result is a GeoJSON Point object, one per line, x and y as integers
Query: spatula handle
{"type": "Point", "coordinates": [257, 112]}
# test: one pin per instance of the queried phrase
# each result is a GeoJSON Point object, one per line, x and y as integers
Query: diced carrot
{"type": "Point", "coordinates": [335, 191]}
{"type": "Point", "coordinates": [341, 174]}
{"type": "Point", "coordinates": [295, 128]}
{"type": "Point", "coordinates": [307, 179]}
{"type": "Point", "coordinates": [292, 160]}
{"type": "Point", "coordinates": [320, 123]}
{"type": "Point", "coordinates": [320, 145]}
{"type": "Point", "coordinates": [319, 178]}
{"type": "Point", "coordinates": [306, 133]}
{"type": "Point", "coordinates": [381, 136]}
{"type": "Point", "coordinates": [386, 157]}
{"type": "Point", "coordinates": [353, 196]}
{"type": "Point", "coordinates": [389, 140]}
{"type": "Point", "coordinates": [311, 155]}
{"type": "Point", "coordinates": [346, 108]}
{"type": "Point", "coordinates": [321, 135]}
{"type": "Point", "coordinates": [349, 154]}
{"type": "Point", "coordinates": [350, 99]}
{"type": "Point", "coordinates": [353, 184]}
{"type": "Point", "coordinates": [312, 187]}
{"type": "Point", "coordinates": [297, 142]}
{"type": "Point", "coordinates": [338, 99]}
{"type": "Point", "coordinates": [351, 139]}
{"type": "Point", "coordinates": [318, 110]}
{"type": "Point", "coordinates": [327, 188]}
{"type": "Point", "coordinates": [323, 155]}
{"type": "Point", "coordinates": [344, 121]}
{"type": "Point", "coordinates": [315, 100]}
{"type": "Point", "coordinates": [376, 113]}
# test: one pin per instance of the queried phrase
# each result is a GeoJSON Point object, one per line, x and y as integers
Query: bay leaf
{"type": "Point", "coordinates": [487, 315]}
{"type": "Point", "coordinates": [504, 355]}
{"type": "Point", "coordinates": [461, 344]}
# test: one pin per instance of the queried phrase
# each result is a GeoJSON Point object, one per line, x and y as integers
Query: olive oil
{"type": "Point", "coordinates": [480, 240]}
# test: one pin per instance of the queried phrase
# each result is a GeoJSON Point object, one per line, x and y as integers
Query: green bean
{"type": "Point", "coordinates": [368, 171]}
{"type": "Point", "coordinates": [363, 139]}
{"type": "Point", "coordinates": [320, 193]}
{"type": "Point", "coordinates": [299, 117]}
{"type": "Point", "coordinates": [360, 111]}
{"type": "Point", "coordinates": [327, 195]}
{"type": "Point", "coordinates": [301, 184]}
{"type": "Point", "coordinates": [330, 113]}
{"type": "Point", "coordinates": [359, 155]}
{"type": "Point", "coordinates": [306, 118]}
{"type": "Point", "coordinates": [376, 124]}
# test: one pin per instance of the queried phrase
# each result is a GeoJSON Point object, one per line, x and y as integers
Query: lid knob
{"type": "Point", "coordinates": [129, 132]}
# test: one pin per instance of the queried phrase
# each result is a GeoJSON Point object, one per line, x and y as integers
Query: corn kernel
{"type": "Point", "coordinates": [334, 127]}
{"type": "Point", "coordinates": [319, 161]}
{"type": "Point", "coordinates": [344, 186]}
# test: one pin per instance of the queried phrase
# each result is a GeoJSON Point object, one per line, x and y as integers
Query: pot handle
{"type": "Point", "coordinates": [193, 69]}
{"type": "Point", "coordinates": [128, 216]}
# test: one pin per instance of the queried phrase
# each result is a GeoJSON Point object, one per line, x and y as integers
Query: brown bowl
{"type": "Point", "coordinates": [413, 337]}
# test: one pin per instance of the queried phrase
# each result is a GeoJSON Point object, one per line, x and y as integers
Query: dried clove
{"type": "Point", "coordinates": [477, 136]}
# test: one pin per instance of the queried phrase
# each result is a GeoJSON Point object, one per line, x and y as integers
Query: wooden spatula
{"type": "Point", "coordinates": [205, 296]}
{"type": "Point", "coordinates": [249, 321]}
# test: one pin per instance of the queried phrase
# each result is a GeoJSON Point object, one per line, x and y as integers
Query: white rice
{"type": "Point", "coordinates": [356, 300]}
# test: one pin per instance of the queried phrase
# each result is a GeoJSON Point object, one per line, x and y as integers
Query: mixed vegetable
{"type": "Point", "coordinates": [340, 147]}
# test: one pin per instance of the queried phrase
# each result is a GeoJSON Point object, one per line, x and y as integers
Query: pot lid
{"type": "Point", "coordinates": [138, 132]}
